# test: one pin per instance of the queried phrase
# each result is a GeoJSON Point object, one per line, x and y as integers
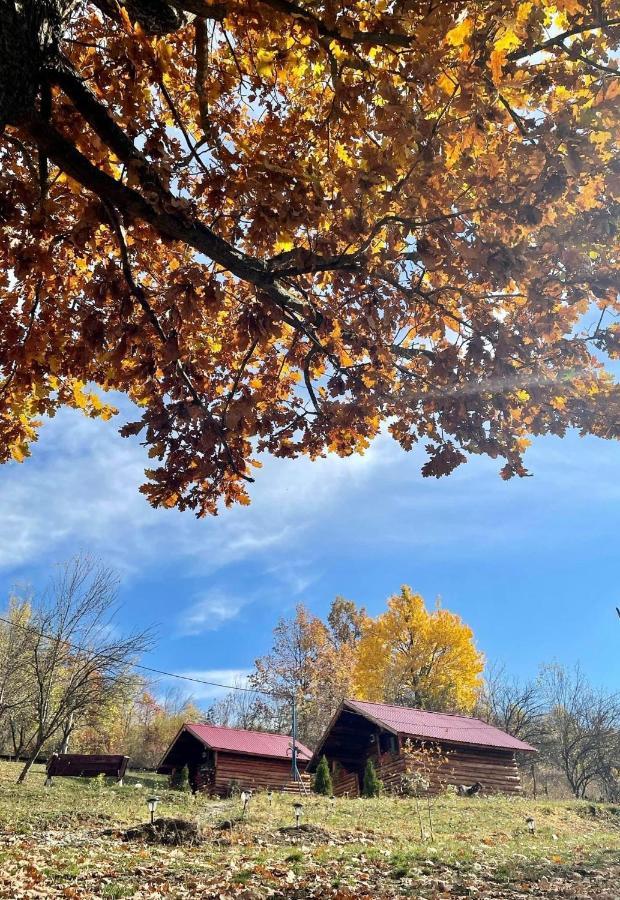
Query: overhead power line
{"type": "Point", "coordinates": [229, 687]}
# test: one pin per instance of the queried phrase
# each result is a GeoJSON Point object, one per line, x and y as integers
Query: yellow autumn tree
{"type": "Point", "coordinates": [419, 657]}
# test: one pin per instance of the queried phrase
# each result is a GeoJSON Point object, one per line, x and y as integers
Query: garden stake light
{"type": "Point", "coordinates": [245, 799]}
{"type": "Point", "coordinates": [152, 805]}
{"type": "Point", "coordinates": [298, 807]}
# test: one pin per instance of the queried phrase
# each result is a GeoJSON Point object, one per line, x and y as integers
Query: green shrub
{"type": "Point", "coordinates": [372, 784]}
{"type": "Point", "coordinates": [179, 779]}
{"type": "Point", "coordinates": [98, 782]}
{"type": "Point", "coordinates": [234, 788]}
{"type": "Point", "coordinates": [323, 780]}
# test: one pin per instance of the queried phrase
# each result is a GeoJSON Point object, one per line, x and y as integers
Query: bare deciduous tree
{"type": "Point", "coordinates": [583, 730]}
{"type": "Point", "coordinates": [511, 704]}
{"type": "Point", "coordinates": [75, 660]}
{"type": "Point", "coordinates": [246, 709]}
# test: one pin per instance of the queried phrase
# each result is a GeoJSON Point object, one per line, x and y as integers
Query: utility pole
{"type": "Point", "coordinates": [294, 770]}
{"type": "Point", "coordinates": [296, 777]}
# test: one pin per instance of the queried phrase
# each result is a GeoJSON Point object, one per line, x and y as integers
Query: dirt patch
{"type": "Point", "coordinates": [229, 824]}
{"type": "Point", "coordinates": [172, 832]}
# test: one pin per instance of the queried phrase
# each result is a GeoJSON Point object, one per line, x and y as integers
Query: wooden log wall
{"type": "Point", "coordinates": [251, 772]}
{"type": "Point", "coordinates": [345, 783]}
{"type": "Point", "coordinates": [390, 769]}
{"type": "Point", "coordinates": [496, 770]}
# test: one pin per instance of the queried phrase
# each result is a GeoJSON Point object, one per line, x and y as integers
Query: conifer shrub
{"type": "Point", "coordinates": [323, 779]}
{"type": "Point", "coordinates": [179, 779]}
{"type": "Point", "coordinates": [372, 784]}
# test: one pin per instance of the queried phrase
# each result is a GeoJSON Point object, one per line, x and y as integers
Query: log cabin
{"type": "Point", "coordinates": [445, 749]}
{"type": "Point", "coordinates": [220, 759]}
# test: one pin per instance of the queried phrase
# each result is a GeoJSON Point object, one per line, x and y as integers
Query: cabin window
{"type": "Point", "coordinates": [387, 742]}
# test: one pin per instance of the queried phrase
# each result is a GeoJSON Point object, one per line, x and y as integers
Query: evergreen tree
{"type": "Point", "coordinates": [323, 780]}
{"type": "Point", "coordinates": [372, 784]}
{"type": "Point", "coordinates": [179, 779]}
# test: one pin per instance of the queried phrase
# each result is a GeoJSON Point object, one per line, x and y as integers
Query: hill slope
{"type": "Point", "coordinates": [66, 842]}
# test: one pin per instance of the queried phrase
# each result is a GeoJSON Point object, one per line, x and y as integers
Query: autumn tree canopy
{"type": "Point", "coordinates": [277, 226]}
{"type": "Point", "coordinates": [314, 661]}
{"type": "Point", "coordinates": [413, 656]}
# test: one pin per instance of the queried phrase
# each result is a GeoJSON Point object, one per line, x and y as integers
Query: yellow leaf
{"type": "Point", "coordinates": [264, 62]}
{"type": "Point", "coordinates": [19, 452]}
{"type": "Point", "coordinates": [78, 395]}
{"type": "Point", "coordinates": [524, 11]}
{"type": "Point", "coordinates": [508, 41]}
{"type": "Point", "coordinates": [283, 244]}
{"type": "Point", "coordinates": [446, 84]}
{"type": "Point", "coordinates": [457, 36]}
{"type": "Point", "coordinates": [343, 154]}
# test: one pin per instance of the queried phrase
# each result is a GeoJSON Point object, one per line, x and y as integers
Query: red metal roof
{"type": "Point", "coordinates": [256, 743]}
{"type": "Point", "coordinates": [421, 723]}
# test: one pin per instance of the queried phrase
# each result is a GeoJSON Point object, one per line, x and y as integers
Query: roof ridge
{"type": "Point", "coordinates": [247, 731]}
{"type": "Point", "coordinates": [238, 730]}
{"type": "Point", "coordinates": [467, 725]}
{"type": "Point", "coordinates": [434, 712]}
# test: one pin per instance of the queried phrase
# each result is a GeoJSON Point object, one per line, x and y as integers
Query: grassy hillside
{"type": "Point", "coordinates": [65, 841]}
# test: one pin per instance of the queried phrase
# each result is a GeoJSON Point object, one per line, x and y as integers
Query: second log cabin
{"type": "Point", "coordinates": [221, 759]}
{"type": "Point", "coordinates": [446, 749]}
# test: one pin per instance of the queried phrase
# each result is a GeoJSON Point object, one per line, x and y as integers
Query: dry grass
{"type": "Point", "coordinates": [65, 842]}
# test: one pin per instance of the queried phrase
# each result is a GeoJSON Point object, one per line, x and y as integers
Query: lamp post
{"type": "Point", "coordinates": [298, 807]}
{"type": "Point", "coordinates": [152, 805]}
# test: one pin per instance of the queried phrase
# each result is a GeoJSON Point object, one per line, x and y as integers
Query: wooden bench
{"type": "Point", "coordinates": [86, 765]}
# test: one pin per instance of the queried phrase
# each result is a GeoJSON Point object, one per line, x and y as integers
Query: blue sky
{"type": "Point", "coordinates": [532, 564]}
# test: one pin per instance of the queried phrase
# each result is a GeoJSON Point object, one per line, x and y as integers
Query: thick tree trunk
{"type": "Point", "coordinates": [31, 761]}
{"type": "Point", "coordinates": [29, 35]}
{"type": "Point", "coordinates": [154, 16]}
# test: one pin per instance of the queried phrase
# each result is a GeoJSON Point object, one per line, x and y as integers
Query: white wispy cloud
{"type": "Point", "coordinates": [296, 574]}
{"type": "Point", "coordinates": [80, 490]}
{"type": "Point", "coordinates": [209, 612]}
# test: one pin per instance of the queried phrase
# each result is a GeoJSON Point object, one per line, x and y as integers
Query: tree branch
{"type": "Point", "coordinates": [139, 294]}
{"type": "Point", "coordinates": [517, 55]}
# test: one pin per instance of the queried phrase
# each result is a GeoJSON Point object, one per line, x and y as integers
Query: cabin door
{"type": "Point", "coordinates": [204, 779]}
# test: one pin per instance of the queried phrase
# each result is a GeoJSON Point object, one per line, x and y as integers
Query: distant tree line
{"type": "Point", "coordinates": [574, 725]}
{"type": "Point", "coordinates": [69, 682]}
